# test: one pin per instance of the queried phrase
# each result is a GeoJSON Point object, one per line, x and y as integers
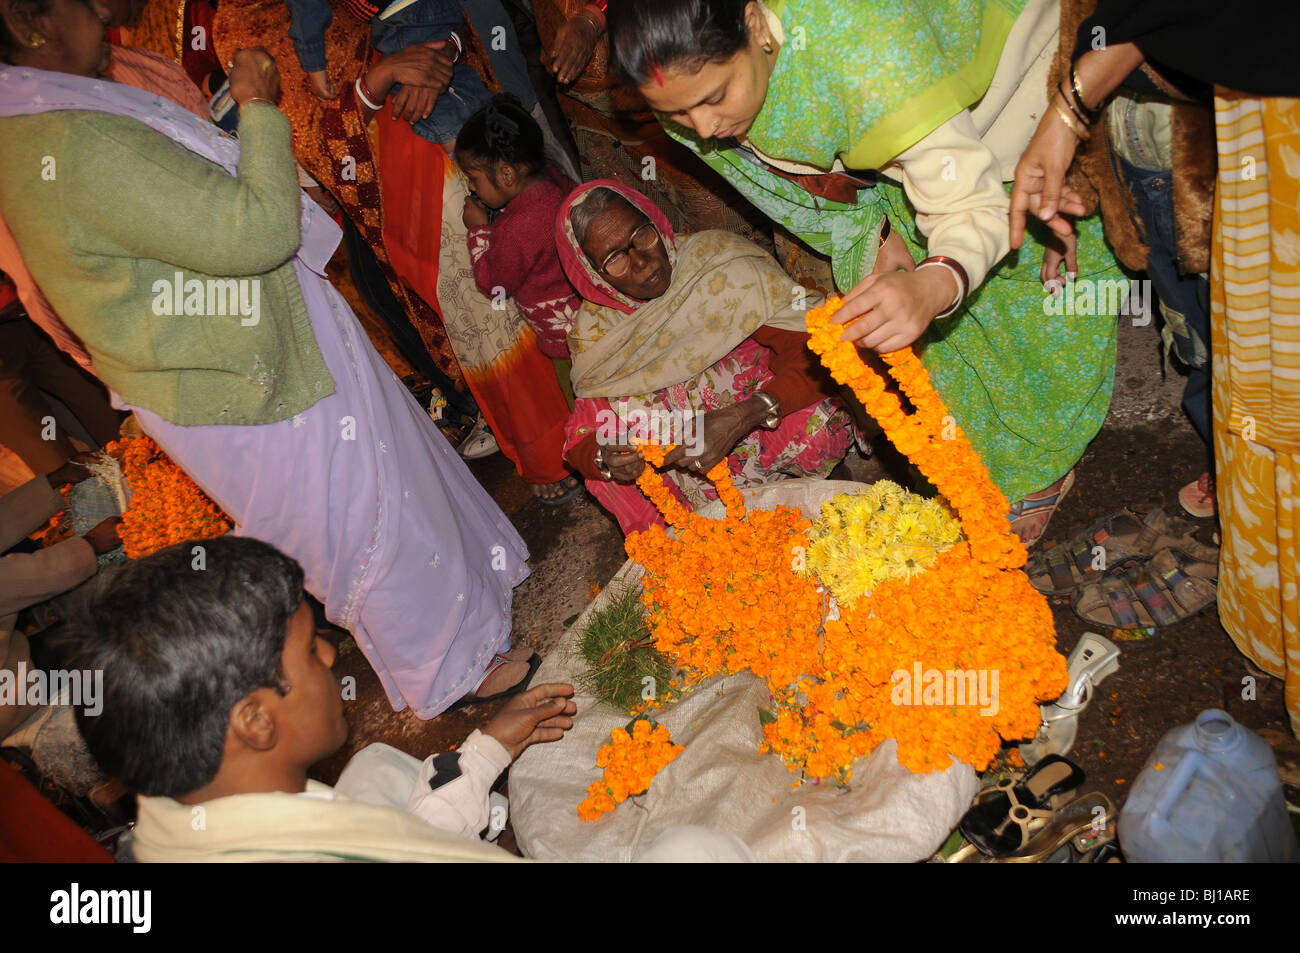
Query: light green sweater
{"type": "Point", "coordinates": [108, 213]}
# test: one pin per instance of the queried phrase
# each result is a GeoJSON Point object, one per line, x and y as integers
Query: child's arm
{"type": "Point", "coordinates": [500, 266]}
{"type": "Point", "coordinates": [452, 790]}
{"type": "Point", "coordinates": [310, 20]}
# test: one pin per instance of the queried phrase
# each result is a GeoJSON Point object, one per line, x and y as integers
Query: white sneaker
{"type": "Point", "coordinates": [480, 442]}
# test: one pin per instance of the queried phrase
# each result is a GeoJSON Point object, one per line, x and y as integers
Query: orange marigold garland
{"type": "Point", "coordinates": [930, 437]}
{"type": "Point", "coordinates": [726, 595]}
{"type": "Point", "coordinates": [631, 761]}
{"type": "Point", "coordinates": [166, 506]}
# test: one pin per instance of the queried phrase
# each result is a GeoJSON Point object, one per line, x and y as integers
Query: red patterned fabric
{"type": "Point", "coordinates": [331, 142]}
{"type": "Point", "coordinates": [363, 10]}
{"type": "Point", "coordinates": [32, 830]}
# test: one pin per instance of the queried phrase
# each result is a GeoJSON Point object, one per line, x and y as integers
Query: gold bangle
{"type": "Point", "coordinates": [1073, 125]}
{"type": "Point", "coordinates": [1077, 86]}
{"type": "Point", "coordinates": [258, 99]}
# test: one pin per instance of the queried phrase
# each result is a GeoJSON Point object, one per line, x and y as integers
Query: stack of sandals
{"type": "Point", "coordinates": [1038, 817]}
{"type": "Point", "coordinates": [1130, 571]}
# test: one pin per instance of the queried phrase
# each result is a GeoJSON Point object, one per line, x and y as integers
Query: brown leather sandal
{"type": "Point", "coordinates": [1124, 539]}
{"type": "Point", "coordinates": [1173, 585]}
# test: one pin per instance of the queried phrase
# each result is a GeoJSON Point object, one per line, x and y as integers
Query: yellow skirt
{"type": "Point", "coordinates": [1255, 318]}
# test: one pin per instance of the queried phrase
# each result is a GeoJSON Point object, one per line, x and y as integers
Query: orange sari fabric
{"type": "Point", "coordinates": [513, 381]}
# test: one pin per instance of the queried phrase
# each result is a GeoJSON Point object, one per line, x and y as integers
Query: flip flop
{"type": "Point", "coordinates": [1005, 817]}
{"type": "Point", "coordinates": [570, 492]}
{"type": "Point", "coordinates": [1092, 812]}
{"type": "Point", "coordinates": [498, 660]}
{"type": "Point", "coordinates": [1198, 498]}
{"type": "Point", "coordinates": [1025, 506]}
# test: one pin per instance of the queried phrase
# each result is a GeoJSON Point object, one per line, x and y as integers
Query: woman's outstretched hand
{"type": "Point", "coordinates": [253, 75]}
{"type": "Point", "coordinates": [1040, 174]}
{"type": "Point", "coordinates": [575, 41]}
{"type": "Point", "coordinates": [891, 310]}
{"type": "Point", "coordinates": [1040, 180]}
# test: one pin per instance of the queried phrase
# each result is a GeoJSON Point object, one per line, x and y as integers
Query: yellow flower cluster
{"type": "Point", "coordinates": [631, 761]}
{"type": "Point", "coordinates": [882, 532]}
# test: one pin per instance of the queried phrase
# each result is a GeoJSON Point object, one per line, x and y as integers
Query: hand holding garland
{"type": "Point", "coordinates": [722, 430]}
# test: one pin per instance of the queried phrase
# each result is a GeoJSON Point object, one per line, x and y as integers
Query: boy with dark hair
{"type": "Point", "coordinates": [218, 698]}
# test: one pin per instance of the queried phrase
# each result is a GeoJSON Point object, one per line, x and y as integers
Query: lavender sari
{"type": "Point", "coordinates": [397, 538]}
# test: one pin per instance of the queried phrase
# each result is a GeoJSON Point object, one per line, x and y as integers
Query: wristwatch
{"type": "Point", "coordinates": [773, 418]}
{"type": "Point", "coordinates": [601, 466]}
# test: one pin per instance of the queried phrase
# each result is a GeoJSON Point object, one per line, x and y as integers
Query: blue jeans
{"type": "Point", "coordinates": [422, 22]}
{"type": "Point", "coordinates": [1184, 299]}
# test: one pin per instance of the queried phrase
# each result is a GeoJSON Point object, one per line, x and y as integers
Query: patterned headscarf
{"type": "Point", "coordinates": [590, 283]}
{"type": "Point", "coordinates": [723, 288]}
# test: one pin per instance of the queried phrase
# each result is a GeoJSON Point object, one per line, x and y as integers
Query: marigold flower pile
{"type": "Point", "coordinates": [631, 760]}
{"type": "Point", "coordinates": [726, 595]}
{"type": "Point", "coordinates": [167, 507]}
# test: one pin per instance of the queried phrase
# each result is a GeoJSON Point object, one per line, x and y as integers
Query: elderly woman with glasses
{"type": "Point", "coordinates": [699, 342]}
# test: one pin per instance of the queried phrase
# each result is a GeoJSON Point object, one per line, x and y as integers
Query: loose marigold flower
{"type": "Point", "coordinates": [167, 507]}
{"type": "Point", "coordinates": [630, 761]}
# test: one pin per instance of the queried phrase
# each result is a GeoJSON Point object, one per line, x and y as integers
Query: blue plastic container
{"type": "Point", "coordinates": [1209, 792]}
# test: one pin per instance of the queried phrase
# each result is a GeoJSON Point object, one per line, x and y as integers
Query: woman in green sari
{"type": "Point", "coordinates": [791, 99]}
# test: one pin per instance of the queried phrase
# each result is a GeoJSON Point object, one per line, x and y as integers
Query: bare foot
{"type": "Point", "coordinates": [553, 491]}
{"type": "Point", "coordinates": [507, 676]}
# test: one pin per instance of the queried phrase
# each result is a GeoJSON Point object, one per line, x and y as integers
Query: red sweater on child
{"type": "Point", "coordinates": [517, 254]}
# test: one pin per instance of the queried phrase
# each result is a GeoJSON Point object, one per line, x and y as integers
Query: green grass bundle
{"type": "Point", "coordinates": [623, 669]}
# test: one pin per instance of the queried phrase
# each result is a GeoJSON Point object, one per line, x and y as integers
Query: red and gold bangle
{"type": "Point", "coordinates": [958, 272]}
{"type": "Point", "coordinates": [594, 13]}
{"type": "Point", "coordinates": [367, 97]}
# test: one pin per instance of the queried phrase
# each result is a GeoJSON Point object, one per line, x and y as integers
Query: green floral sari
{"type": "Point", "coordinates": [1030, 388]}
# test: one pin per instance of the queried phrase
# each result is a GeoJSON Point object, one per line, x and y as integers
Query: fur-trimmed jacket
{"type": "Point", "coordinates": [1096, 176]}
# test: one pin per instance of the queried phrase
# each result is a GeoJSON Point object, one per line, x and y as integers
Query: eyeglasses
{"type": "Point", "coordinates": [617, 263]}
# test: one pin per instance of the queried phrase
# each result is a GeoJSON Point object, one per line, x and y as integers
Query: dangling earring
{"type": "Point", "coordinates": [36, 41]}
{"type": "Point", "coordinates": [767, 46]}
